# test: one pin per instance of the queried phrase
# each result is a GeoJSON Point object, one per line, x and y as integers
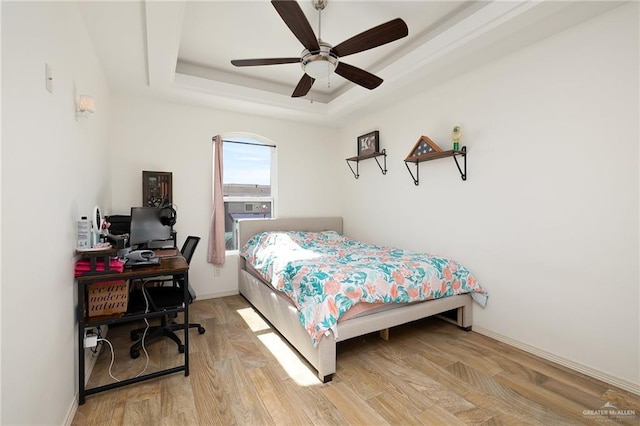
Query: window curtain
{"type": "Point", "coordinates": [215, 253]}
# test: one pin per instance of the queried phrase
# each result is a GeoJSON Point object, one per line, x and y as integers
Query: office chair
{"type": "Point", "coordinates": [167, 297]}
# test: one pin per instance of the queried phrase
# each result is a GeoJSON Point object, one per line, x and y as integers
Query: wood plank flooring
{"type": "Point", "coordinates": [430, 372]}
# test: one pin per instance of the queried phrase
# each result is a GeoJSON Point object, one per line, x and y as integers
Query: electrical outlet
{"type": "Point", "coordinates": [91, 341]}
{"type": "Point", "coordinates": [92, 331]}
{"type": "Point", "coordinates": [216, 272]}
{"type": "Point", "coordinates": [91, 337]}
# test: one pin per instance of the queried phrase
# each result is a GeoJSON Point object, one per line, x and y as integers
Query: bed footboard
{"type": "Point", "coordinates": [284, 318]}
{"type": "Point", "coordinates": [379, 321]}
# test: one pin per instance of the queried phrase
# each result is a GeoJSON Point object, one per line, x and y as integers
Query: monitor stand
{"type": "Point", "coordinates": [161, 244]}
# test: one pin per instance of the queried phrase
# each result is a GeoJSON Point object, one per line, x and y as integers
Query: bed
{"type": "Point", "coordinates": [279, 310]}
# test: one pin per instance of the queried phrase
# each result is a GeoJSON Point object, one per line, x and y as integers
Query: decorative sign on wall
{"type": "Point", "coordinates": [369, 143]}
{"type": "Point", "coordinates": [156, 187]}
{"type": "Point", "coordinates": [423, 147]}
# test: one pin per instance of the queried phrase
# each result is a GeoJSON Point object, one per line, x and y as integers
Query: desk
{"type": "Point", "coordinates": [176, 266]}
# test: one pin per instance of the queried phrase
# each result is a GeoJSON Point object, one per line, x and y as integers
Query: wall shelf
{"type": "Point", "coordinates": [436, 155]}
{"type": "Point", "coordinates": [374, 155]}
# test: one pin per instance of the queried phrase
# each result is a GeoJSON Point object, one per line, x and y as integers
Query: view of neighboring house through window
{"type": "Point", "coordinates": [249, 168]}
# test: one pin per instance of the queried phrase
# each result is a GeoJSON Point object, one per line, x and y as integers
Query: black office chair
{"type": "Point", "coordinates": [166, 297]}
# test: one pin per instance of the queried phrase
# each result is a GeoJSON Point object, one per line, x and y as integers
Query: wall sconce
{"type": "Point", "coordinates": [85, 106]}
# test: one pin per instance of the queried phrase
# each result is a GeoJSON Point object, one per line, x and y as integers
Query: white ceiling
{"type": "Point", "coordinates": [181, 50]}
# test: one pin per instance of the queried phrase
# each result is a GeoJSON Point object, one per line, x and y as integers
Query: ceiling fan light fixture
{"type": "Point", "coordinates": [320, 64]}
{"type": "Point", "coordinates": [320, 67]}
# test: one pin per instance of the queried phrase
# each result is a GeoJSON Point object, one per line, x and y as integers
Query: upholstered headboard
{"type": "Point", "coordinates": [247, 228]}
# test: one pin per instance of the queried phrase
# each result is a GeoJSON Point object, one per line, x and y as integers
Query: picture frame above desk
{"type": "Point", "coordinates": [156, 187]}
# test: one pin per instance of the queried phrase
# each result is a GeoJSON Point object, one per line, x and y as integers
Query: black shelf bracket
{"type": "Point", "coordinates": [375, 156]}
{"type": "Point", "coordinates": [384, 158]}
{"type": "Point", "coordinates": [433, 156]}
{"type": "Point", "coordinates": [356, 174]}
{"type": "Point", "coordinates": [416, 178]}
{"type": "Point", "coordinates": [463, 154]}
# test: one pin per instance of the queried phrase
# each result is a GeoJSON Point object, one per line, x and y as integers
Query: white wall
{"type": "Point", "coordinates": [548, 218]}
{"type": "Point", "coordinates": [151, 135]}
{"type": "Point", "coordinates": [54, 169]}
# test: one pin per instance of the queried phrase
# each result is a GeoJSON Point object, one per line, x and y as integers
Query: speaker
{"type": "Point", "coordinates": [168, 216]}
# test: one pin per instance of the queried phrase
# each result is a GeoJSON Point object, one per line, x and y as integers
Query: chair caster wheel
{"type": "Point", "coordinates": [181, 349]}
{"type": "Point", "coordinates": [201, 330]}
{"type": "Point", "coordinates": [134, 353]}
{"type": "Point", "coordinates": [134, 336]}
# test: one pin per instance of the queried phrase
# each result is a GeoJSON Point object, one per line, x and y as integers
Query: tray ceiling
{"type": "Point", "coordinates": [182, 50]}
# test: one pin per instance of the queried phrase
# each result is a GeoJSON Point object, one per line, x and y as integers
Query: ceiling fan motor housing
{"type": "Point", "coordinates": [319, 4]}
{"type": "Point", "coordinates": [319, 63]}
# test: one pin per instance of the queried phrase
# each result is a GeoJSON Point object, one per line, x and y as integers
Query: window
{"type": "Point", "coordinates": [248, 183]}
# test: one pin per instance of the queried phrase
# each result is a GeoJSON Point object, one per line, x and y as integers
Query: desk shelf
{"type": "Point", "coordinates": [374, 155]}
{"type": "Point", "coordinates": [90, 322]}
{"type": "Point", "coordinates": [435, 156]}
{"type": "Point", "coordinates": [95, 255]}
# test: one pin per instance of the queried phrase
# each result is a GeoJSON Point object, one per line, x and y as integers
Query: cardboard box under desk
{"type": "Point", "coordinates": [107, 298]}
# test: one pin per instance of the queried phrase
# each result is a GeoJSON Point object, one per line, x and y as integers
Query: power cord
{"type": "Point", "coordinates": [146, 321]}
{"type": "Point", "coordinates": [95, 351]}
{"type": "Point", "coordinates": [144, 335]}
{"type": "Point", "coordinates": [112, 358]}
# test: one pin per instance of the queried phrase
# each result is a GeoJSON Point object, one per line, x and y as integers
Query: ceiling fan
{"type": "Point", "coordinates": [319, 59]}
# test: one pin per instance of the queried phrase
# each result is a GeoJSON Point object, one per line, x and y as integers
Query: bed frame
{"type": "Point", "coordinates": [284, 316]}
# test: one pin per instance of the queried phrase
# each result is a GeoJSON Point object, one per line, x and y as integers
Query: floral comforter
{"type": "Point", "coordinates": [326, 273]}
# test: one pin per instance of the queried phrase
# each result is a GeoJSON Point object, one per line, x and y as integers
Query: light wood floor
{"type": "Point", "coordinates": [429, 372]}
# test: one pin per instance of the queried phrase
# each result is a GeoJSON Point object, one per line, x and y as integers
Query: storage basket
{"type": "Point", "coordinates": [107, 298]}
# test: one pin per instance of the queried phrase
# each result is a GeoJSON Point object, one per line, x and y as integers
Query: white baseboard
{"type": "Point", "coordinates": [71, 413]}
{"type": "Point", "coordinates": [89, 363]}
{"type": "Point", "coordinates": [216, 295]}
{"type": "Point", "coordinates": [607, 378]}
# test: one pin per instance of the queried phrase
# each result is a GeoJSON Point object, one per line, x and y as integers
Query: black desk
{"type": "Point", "coordinates": [176, 266]}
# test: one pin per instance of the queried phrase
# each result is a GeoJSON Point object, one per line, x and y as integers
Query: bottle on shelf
{"type": "Point", "coordinates": [456, 135]}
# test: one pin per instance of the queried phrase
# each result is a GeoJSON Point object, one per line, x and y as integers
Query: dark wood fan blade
{"type": "Point", "coordinates": [374, 37]}
{"type": "Point", "coordinates": [358, 76]}
{"type": "Point", "coordinates": [269, 61]}
{"type": "Point", "coordinates": [303, 87]}
{"type": "Point", "coordinates": [293, 16]}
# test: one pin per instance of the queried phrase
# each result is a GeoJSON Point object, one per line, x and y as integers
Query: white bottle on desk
{"type": "Point", "coordinates": [84, 234]}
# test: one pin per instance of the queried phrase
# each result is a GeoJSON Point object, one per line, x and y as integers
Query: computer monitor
{"type": "Point", "coordinates": [147, 229]}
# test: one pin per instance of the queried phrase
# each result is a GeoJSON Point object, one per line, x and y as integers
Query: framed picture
{"type": "Point", "coordinates": [156, 187]}
{"type": "Point", "coordinates": [369, 143]}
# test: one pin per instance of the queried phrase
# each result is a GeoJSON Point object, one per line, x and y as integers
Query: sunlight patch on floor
{"type": "Point", "coordinates": [295, 368]}
{"type": "Point", "coordinates": [253, 320]}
